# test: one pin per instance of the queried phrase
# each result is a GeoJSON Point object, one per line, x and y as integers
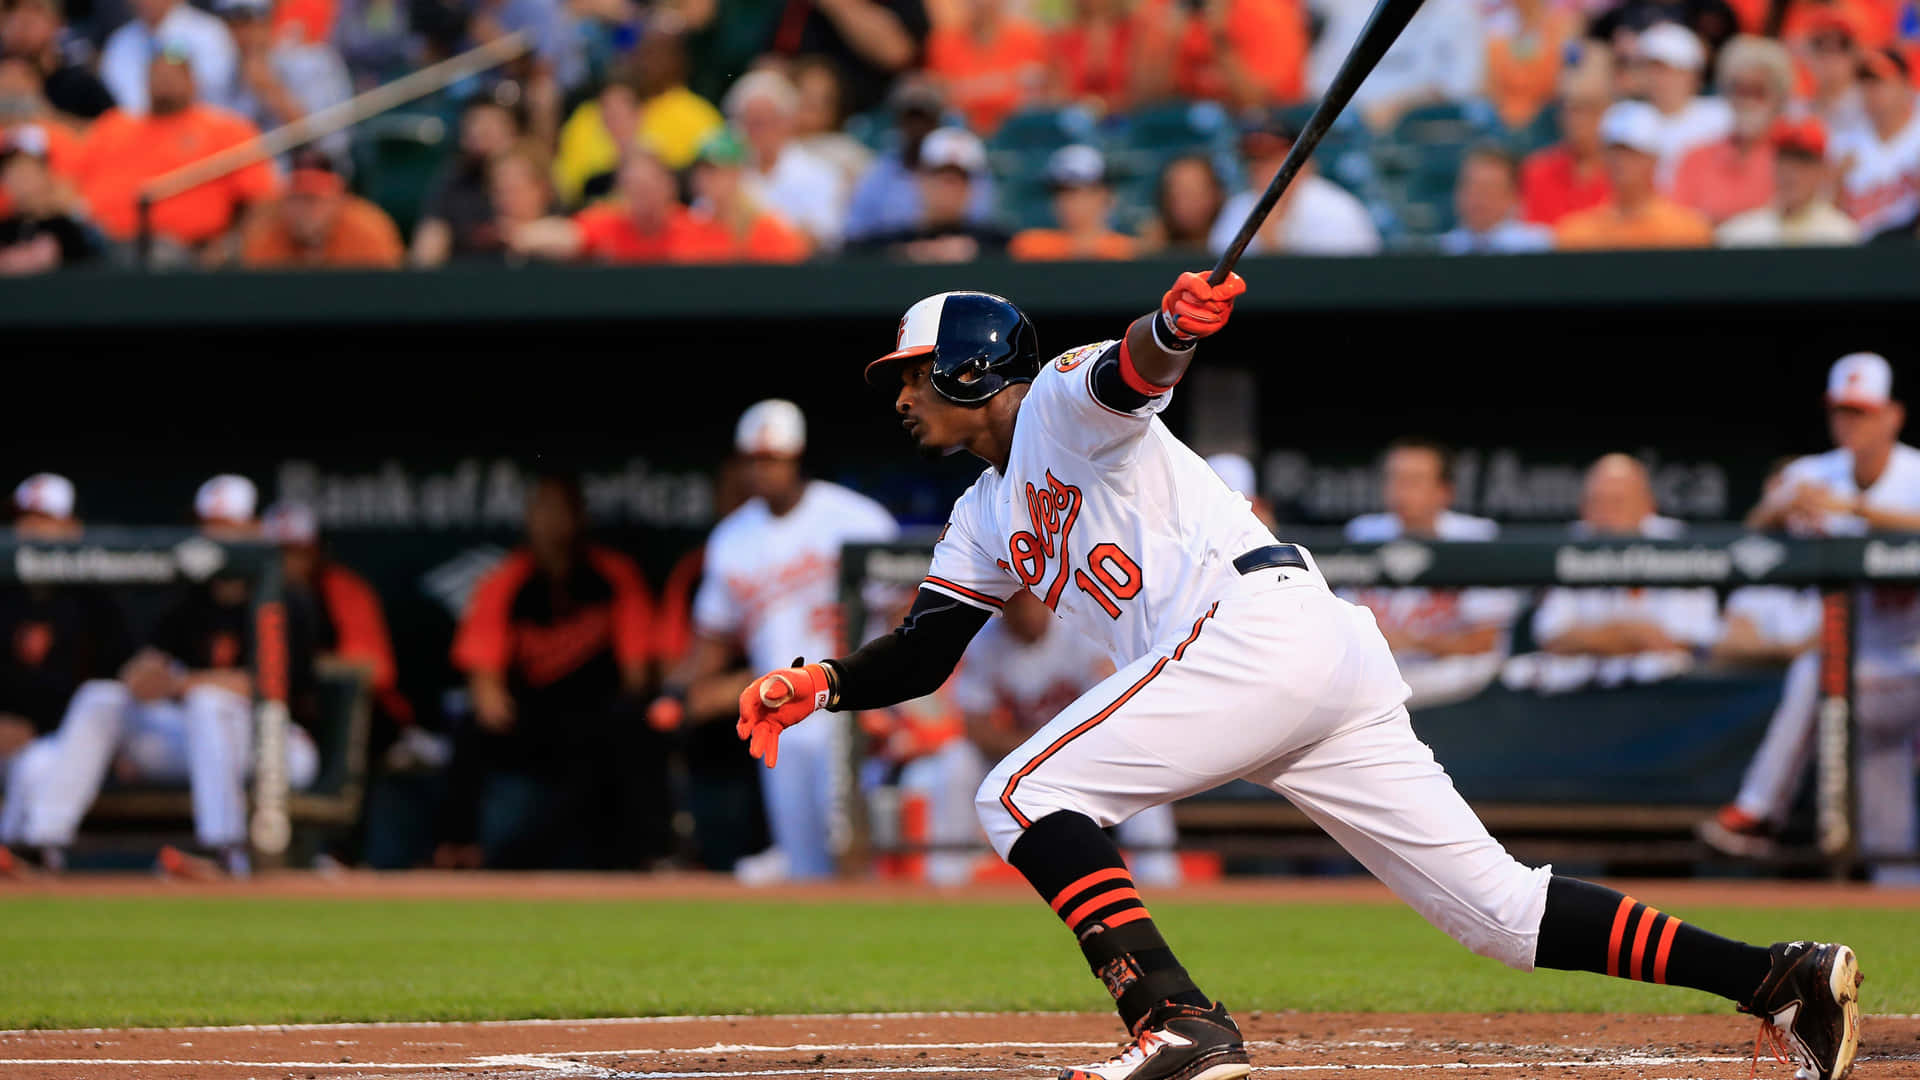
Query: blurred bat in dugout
{"type": "Point", "coordinates": [1383, 28]}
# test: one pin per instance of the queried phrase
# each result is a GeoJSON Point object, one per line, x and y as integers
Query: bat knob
{"type": "Point", "coordinates": [775, 692]}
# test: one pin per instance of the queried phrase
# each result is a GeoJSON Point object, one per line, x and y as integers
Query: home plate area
{"type": "Point", "coordinates": [969, 1045]}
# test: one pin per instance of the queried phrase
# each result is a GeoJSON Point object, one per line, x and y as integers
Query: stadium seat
{"type": "Point", "coordinates": [1543, 131]}
{"type": "Point", "coordinates": [1178, 127]}
{"type": "Point", "coordinates": [395, 159]}
{"type": "Point", "coordinates": [1447, 122]}
{"type": "Point", "coordinates": [874, 130]}
{"type": "Point", "coordinates": [1043, 130]}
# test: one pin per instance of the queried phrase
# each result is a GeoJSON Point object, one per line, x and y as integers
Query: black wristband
{"type": "Point", "coordinates": [1163, 329]}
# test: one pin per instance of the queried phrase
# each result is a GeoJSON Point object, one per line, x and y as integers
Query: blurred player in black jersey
{"type": "Point", "coordinates": [56, 638]}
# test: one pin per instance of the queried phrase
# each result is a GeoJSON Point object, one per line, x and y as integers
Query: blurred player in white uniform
{"type": "Point", "coordinates": [1449, 643]}
{"type": "Point", "coordinates": [1020, 672]}
{"type": "Point", "coordinates": [180, 710]}
{"type": "Point", "coordinates": [1869, 483]}
{"type": "Point", "coordinates": [1612, 636]}
{"type": "Point", "coordinates": [772, 586]}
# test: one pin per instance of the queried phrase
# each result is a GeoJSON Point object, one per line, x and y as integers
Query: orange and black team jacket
{"type": "Point", "coordinates": [562, 645]}
{"type": "Point", "coordinates": [354, 628]}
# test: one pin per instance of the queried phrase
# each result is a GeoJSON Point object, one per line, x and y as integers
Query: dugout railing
{"type": "Point", "coordinates": [153, 561]}
{"type": "Point", "coordinates": [1720, 558]}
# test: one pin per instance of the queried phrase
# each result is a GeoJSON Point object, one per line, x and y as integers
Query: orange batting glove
{"type": "Point", "coordinates": [1194, 309]}
{"type": "Point", "coordinates": [773, 703]}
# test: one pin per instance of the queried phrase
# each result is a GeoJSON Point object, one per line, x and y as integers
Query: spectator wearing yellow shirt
{"type": "Point", "coordinates": [647, 101]}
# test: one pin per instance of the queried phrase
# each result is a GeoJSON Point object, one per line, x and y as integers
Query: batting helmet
{"type": "Point", "coordinates": [980, 344]}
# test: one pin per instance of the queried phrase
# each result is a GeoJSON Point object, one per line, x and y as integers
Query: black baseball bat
{"type": "Point", "coordinates": [1382, 30]}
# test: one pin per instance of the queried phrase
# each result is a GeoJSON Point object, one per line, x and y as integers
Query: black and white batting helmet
{"type": "Point", "coordinates": [980, 344]}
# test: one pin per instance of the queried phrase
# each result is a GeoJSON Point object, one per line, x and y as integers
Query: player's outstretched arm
{"type": "Point", "coordinates": [1160, 345]}
{"type": "Point", "coordinates": [910, 662]}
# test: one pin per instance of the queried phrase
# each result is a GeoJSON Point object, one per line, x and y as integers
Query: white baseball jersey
{"type": "Point", "coordinates": [1033, 681]}
{"type": "Point", "coordinates": [1110, 520]}
{"type": "Point", "coordinates": [1882, 187]}
{"type": "Point", "coordinates": [774, 581]}
{"type": "Point", "coordinates": [1438, 680]}
{"type": "Point", "coordinates": [1781, 615]}
{"type": "Point", "coordinates": [1889, 616]}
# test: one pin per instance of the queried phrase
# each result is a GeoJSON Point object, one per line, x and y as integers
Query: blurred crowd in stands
{"type": "Point", "coordinates": [638, 131]}
{"type": "Point", "coordinates": [595, 727]}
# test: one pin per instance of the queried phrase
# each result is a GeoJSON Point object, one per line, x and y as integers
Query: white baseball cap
{"type": "Point", "coordinates": [46, 494]}
{"type": "Point", "coordinates": [953, 147]}
{"type": "Point", "coordinates": [1632, 124]}
{"type": "Point", "coordinates": [773, 427]}
{"type": "Point", "coordinates": [1673, 45]}
{"type": "Point", "coordinates": [227, 499]}
{"type": "Point", "coordinates": [1863, 380]}
{"type": "Point", "coordinates": [290, 524]}
{"type": "Point", "coordinates": [1078, 165]}
{"type": "Point", "coordinates": [1237, 471]}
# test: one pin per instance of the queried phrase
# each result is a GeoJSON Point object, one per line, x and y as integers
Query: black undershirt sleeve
{"type": "Point", "coordinates": [911, 661]}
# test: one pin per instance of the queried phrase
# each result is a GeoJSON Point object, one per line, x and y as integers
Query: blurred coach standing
{"type": "Point", "coordinates": [772, 584]}
{"type": "Point", "coordinates": [1870, 482]}
{"type": "Point", "coordinates": [557, 771]}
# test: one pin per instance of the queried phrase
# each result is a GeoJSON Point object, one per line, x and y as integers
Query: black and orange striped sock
{"type": "Point", "coordinates": [1588, 927]}
{"type": "Point", "coordinates": [1076, 869]}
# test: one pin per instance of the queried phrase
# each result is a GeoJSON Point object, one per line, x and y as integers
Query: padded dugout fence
{"type": "Point", "coordinates": [1617, 774]}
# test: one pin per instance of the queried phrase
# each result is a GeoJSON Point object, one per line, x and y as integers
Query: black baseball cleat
{"type": "Point", "coordinates": [1809, 1007]}
{"type": "Point", "coordinates": [1176, 1042]}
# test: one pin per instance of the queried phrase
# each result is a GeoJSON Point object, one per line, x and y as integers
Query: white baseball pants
{"type": "Point", "coordinates": [205, 739]}
{"type": "Point", "coordinates": [1283, 684]}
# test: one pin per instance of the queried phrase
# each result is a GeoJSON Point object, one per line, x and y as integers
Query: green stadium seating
{"type": "Point", "coordinates": [396, 157]}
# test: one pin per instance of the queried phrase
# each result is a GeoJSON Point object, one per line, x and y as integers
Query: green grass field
{"type": "Point", "coordinates": [70, 962]}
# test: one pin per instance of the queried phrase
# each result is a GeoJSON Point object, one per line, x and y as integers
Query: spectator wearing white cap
{"type": "Point", "coordinates": [1082, 209]}
{"type": "Point", "coordinates": [952, 163]}
{"type": "Point", "coordinates": [278, 80]}
{"type": "Point", "coordinates": [1449, 643]}
{"type": "Point", "coordinates": [1636, 215]}
{"type": "Point", "coordinates": [181, 709]}
{"type": "Point", "coordinates": [887, 199]}
{"type": "Point", "coordinates": [1869, 482]}
{"type": "Point", "coordinates": [783, 175]}
{"type": "Point", "coordinates": [166, 26]}
{"type": "Point", "coordinates": [771, 589]}
{"type": "Point", "coordinates": [1734, 174]}
{"type": "Point", "coordinates": [1674, 60]}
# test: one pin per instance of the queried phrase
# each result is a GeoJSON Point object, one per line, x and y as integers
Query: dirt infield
{"type": "Point", "coordinates": [959, 1045]}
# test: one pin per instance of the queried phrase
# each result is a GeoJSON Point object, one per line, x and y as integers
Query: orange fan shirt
{"type": "Point", "coordinates": [363, 236]}
{"type": "Point", "coordinates": [1268, 37]}
{"type": "Point", "coordinates": [1047, 244]}
{"type": "Point", "coordinates": [608, 234]}
{"type": "Point", "coordinates": [768, 240]}
{"type": "Point", "coordinates": [123, 151]}
{"type": "Point", "coordinates": [1523, 71]}
{"type": "Point", "coordinates": [988, 80]}
{"type": "Point", "coordinates": [1659, 224]}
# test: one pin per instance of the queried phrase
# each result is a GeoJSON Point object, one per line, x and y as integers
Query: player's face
{"type": "Point", "coordinates": [1864, 430]}
{"type": "Point", "coordinates": [935, 424]}
{"type": "Point", "coordinates": [553, 523]}
{"type": "Point", "coordinates": [772, 476]}
{"type": "Point", "coordinates": [1416, 492]}
{"type": "Point", "coordinates": [1616, 502]}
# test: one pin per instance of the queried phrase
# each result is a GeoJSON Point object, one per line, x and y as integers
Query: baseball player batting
{"type": "Point", "coordinates": [1235, 661]}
